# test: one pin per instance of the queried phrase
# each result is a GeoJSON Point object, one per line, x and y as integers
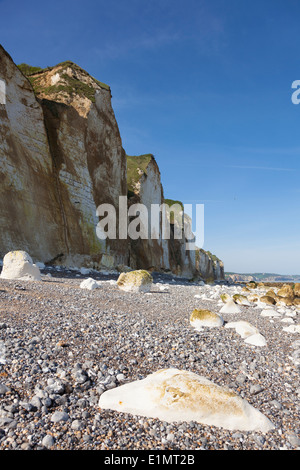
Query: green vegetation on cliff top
{"type": "Point", "coordinates": [136, 167]}
{"type": "Point", "coordinates": [171, 202]}
{"type": "Point", "coordinates": [29, 69]}
{"type": "Point", "coordinates": [70, 86]}
{"type": "Point", "coordinates": [208, 253]}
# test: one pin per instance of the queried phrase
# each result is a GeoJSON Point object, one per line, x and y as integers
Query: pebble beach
{"type": "Point", "coordinates": [62, 346]}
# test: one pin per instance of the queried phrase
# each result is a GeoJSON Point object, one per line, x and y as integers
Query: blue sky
{"type": "Point", "coordinates": [206, 87]}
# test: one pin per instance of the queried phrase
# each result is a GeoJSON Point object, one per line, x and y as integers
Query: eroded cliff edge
{"type": "Point", "coordinates": [61, 158]}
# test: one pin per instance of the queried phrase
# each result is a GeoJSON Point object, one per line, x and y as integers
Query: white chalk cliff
{"type": "Point", "coordinates": [61, 158]}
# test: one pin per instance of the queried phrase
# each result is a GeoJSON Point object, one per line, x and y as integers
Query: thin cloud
{"type": "Point", "coordinates": [291, 151]}
{"type": "Point", "coordinates": [118, 49]}
{"type": "Point", "coordinates": [203, 30]}
{"type": "Point", "coordinates": [266, 168]}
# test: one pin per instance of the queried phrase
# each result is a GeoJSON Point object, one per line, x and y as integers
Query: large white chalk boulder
{"type": "Point", "coordinates": [135, 281]}
{"type": "Point", "coordinates": [173, 395]}
{"type": "Point", "coordinates": [19, 265]}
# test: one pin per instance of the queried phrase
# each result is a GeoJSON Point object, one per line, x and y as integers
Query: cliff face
{"type": "Point", "coordinates": [145, 187]}
{"type": "Point", "coordinates": [156, 250]}
{"type": "Point", "coordinates": [30, 219]}
{"type": "Point", "coordinates": [209, 267]}
{"type": "Point", "coordinates": [88, 159]}
{"type": "Point", "coordinates": [61, 158]}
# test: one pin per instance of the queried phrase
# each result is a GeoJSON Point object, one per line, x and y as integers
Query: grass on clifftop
{"type": "Point", "coordinates": [208, 253]}
{"type": "Point", "coordinates": [136, 167]}
{"type": "Point", "coordinates": [68, 63]}
{"type": "Point", "coordinates": [71, 85]}
{"type": "Point", "coordinates": [171, 202]}
{"type": "Point", "coordinates": [29, 69]}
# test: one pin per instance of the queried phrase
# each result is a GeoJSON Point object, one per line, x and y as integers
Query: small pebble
{"type": "Point", "coordinates": [48, 441]}
{"type": "Point", "coordinates": [59, 416]}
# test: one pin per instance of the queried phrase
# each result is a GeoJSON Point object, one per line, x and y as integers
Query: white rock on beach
{"type": "Point", "coordinates": [248, 332]}
{"type": "Point", "coordinates": [290, 313]}
{"type": "Point", "coordinates": [89, 284]}
{"type": "Point", "coordinates": [256, 340]}
{"type": "Point", "coordinates": [205, 318]}
{"type": "Point", "coordinates": [270, 312]}
{"type": "Point", "coordinates": [243, 328]}
{"type": "Point", "coordinates": [19, 265]}
{"type": "Point", "coordinates": [225, 297]}
{"type": "Point", "coordinates": [241, 300]}
{"type": "Point", "coordinates": [230, 307]}
{"type": "Point", "coordinates": [163, 287]}
{"type": "Point", "coordinates": [174, 395]}
{"type": "Point", "coordinates": [287, 320]}
{"type": "Point", "coordinates": [292, 329]}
